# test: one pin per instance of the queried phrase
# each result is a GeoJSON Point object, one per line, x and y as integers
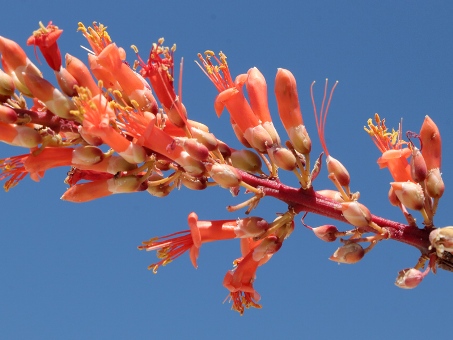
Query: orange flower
{"type": "Point", "coordinates": [240, 280]}
{"type": "Point", "coordinates": [394, 156]}
{"type": "Point", "coordinates": [172, 246]}
{"type": "Point", "coordinates": [232, 97]}
{"type": "Point", "coordinates": [46, 39]}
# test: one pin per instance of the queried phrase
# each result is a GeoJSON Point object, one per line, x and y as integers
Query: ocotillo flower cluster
{"type": "Point", "coordinates": [121, 127]}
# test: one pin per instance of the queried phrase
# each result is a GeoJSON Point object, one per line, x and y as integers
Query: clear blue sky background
{"type": "Point", "coordinates": [73, 271]}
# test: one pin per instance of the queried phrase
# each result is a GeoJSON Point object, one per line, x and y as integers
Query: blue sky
{"type": "Point", "coordinates": [72, 271]}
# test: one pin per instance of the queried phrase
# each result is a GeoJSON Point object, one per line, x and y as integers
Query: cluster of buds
{"type": "Point", "coordinates": [124, 129]}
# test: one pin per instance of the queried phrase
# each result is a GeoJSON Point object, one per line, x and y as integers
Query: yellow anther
{"type": "Point", "coordinates": [208, 53]}
{"type": "Point", "coordinates": [134, 48]}
{"type": "Point", "coordinates": [160, 41]}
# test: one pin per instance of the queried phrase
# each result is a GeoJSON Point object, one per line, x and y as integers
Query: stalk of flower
{"type": "Point", "coordinates": [172, 246]}
{"type": "Point", "coordinates": [337, 172]}
{"type": "Point", "coordinates": [46, 39]}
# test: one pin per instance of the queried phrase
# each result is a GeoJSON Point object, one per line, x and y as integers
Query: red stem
{"type": "Point", "coordinates": [310, 201]}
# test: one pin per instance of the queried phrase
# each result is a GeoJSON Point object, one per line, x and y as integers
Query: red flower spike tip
{"type": "Point", "coordinates": [46, 39]}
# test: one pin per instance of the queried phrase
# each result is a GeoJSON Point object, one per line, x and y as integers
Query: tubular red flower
{"type": "Point", "coordinates": [46, 39]}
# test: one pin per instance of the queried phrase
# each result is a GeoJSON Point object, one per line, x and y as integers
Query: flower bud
{"type": "Point", "coordinates": [356, 214]}
{"type": "Point", "coordinates": [205, 138]}
{"type": "Point", "coordinates": [224, 175]}
{"type": "Point", "coordinates": [7, 115]}
{"type": "Point", "coordinates": [442, 240]}
{"type": "Point", "coordinates": [409, 278]}
{"type": "Point", "coordinates": [419, 170]}
{"type": "Point", "coordinates": [410, 194]}
{"type": "Point", "coordinates": [246, 160]}
{"type": "Point", "coordinates": [87, 155]}
{"type": "Point", "coordinates": [326, 232]}
{"type": "Point", "coordinates": [335, 167]}
{"type": "Point", "coordinates": [393, 198]}
{"type": "Point", "coordinates": [282, 157]}
{"type": "Point", "coordinates": [6, 85]}
{"type": "Point", "coordinates": [431, 144]}
{"type": "Point", "coordinates": [434, 184]}
{"type": "Point", "coordinates": [349, 253]}
{"type": "Point", "coordinates": [194, 148]}
{"type": "Point", "coordinates": [66, 82]}
{"type": "Point", "coordinates": [194, 183]}
{"type": "Point", "coordinates": [160, 190]}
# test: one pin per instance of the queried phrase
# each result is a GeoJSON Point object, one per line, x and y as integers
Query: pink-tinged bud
{"type": "Point", "coordinates": [82, 74]}
{"type": "Point", "coordinates": [300, 139]}
{"type": "Point", "coordinates": [66, 82]}
{"type": "Point", "coordinates": [356, 214]}
{"type": "Point", "coordinates": [246, 160]}
{"type": "Point", "coordinates": [258, 138]}
{"type": "Point", "coordinates": [334, 166]}
{"type": "Point", "coordinates": [327, 233]}
{"type": "Point", "coordinates": [410, 194]}
{"type": "Point", "coordinates": [435, 186]}
{"type": "Point", "coordinates": [177, 114]}
{"type": "Point", "coordinates": [224, 149]}
{"type": "Point", "coordinates": [194, 148]}
{"type": "Point", "coordinates": [160, 190]}
{"type": "Point", "coordinates": [393, 198]}
{"type": "Point", "coordinates": [224, 175]}
{"type": "Point", "coordinates": [194, 183]}
{"type": "Point", "coordinates": [191, 165]}
{"type": "Point", "coordinates": [442, 240]}
{"type": "Point", "coordinates": [419, 170]}
{"type": "Point", "coordinates": [410, 278]}
{"type": "Point", "coordinates": [331, 194]}
{"type": "Point", "coordinates": [282, 157]}
{"type": "Point", "coordinates": [206, 138]}
{"type": "Point", "coordinates": [87, 155]}
{"type": "Point", "coordinates": [6, 85]}
{"type": "Point", "coordinates": [7, 115]}
{"type": "Point", "coordinates": [349, 253]}
{"type": "Point", "coordinates": [12, 54]}
{"type": "Point", "coordinates": [431, 144]}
